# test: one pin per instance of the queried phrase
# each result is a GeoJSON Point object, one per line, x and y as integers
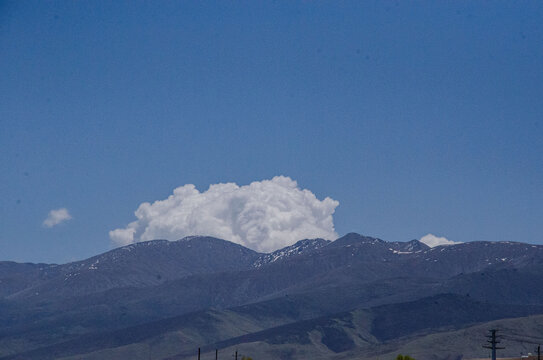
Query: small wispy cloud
{"type": "Point", "coordinates": [57, 216]}
{"type": "Point", "coordinates": [432, 241]}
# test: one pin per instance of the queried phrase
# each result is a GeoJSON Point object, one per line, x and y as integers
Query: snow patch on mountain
{"type": "Point", "coordinates": [301, 247]}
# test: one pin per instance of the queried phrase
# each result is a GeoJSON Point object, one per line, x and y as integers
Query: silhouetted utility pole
{"type": "Point", "coordinates": [216, 354]}
{"type": "Point", "coordinates": [236, 354]}
{"type": "Point", "coordinates": [538, 352]}
{"type": "Point", "coordinates": [198, 353]}
{"type": "Point", "coordinates": [493, 342]}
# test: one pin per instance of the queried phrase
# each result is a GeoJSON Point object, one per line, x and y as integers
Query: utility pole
{"type": "Point", "coordinates": [493, 342]}
{"type": "Point", "coordinates": [198, 353]}
{"type": "Point", "coordinates": [216, 354]}
{"type": "Point", "coordinates": [538, 352]}
{"type": "Point", "coordinates": [236, 354]}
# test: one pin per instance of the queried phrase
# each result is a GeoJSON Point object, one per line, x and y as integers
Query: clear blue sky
{"type": "Point", "coordinates": [416, 116]}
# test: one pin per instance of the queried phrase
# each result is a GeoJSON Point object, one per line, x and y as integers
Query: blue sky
{"type": "Point", "coordinates": [417, 117]}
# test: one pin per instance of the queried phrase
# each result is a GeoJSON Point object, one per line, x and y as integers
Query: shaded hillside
{"type": "Point", "coordinates": [139, 265]}
{"type": "Point", "coordinates": [180, 337]}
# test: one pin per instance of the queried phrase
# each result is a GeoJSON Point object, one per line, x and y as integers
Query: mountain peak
{"type": "Point", "coordinates": [354, 238]}
{"type": "Point", "coordinates": [411, 246]}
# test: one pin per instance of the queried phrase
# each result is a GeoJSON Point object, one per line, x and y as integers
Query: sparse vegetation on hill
{"type": "Point", "coordinates": [356, 295]}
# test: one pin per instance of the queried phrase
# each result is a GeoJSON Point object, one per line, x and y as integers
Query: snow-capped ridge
{"type": "Point", "coordinates": [356, 239]}
{"type": "Point", "coordinates": [300, 247]}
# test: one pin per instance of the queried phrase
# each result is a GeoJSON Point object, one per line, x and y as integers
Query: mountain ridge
{"type": "Point", "coordinates": [153, 281]}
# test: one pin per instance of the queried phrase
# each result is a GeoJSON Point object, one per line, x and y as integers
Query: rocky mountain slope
{"type": "Point", "coordinates": [201, 291]}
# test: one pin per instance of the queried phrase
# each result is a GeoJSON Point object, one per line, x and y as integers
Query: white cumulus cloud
{"type": "Point", "coordinates": [432, 241]}
{"type": "Point", "coordinates": [56, 217]}
{"type": "Point", "coordinates": [264, 215]}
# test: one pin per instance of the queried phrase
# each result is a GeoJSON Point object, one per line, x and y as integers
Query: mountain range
{"type": "Point", "coordinates": [355, 297]}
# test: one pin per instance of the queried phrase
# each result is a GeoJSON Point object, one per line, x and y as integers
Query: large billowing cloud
{"type": "Point", "coordinates": [264, 215]}
{"type": "Point", "coordinates": [432, 241]}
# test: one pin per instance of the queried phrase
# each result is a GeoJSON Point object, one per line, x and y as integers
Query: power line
{"type": "Point", "coordinates": [516, 333]}
{"type": "Point", "coordinates": [528, 339]}
{"type": "Point", "coordinates": [522, 340]}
